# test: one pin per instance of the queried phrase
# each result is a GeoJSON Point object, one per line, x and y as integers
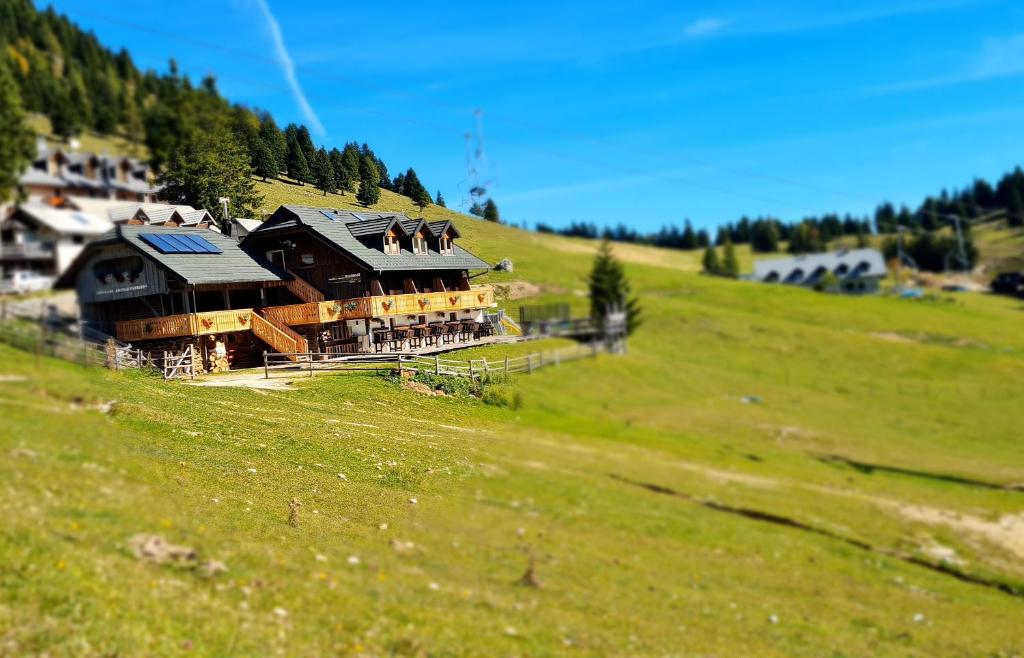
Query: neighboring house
{"type": "Point", "coordinates": [158, 214]}
{"type": "Point", "coordinates": [241, 227]}
{"type": "Point", "coordinates": [55, 174]}
{"type": "Point", "coordinates": [39, 238]}
{"type": "Point", "coordinates": [857, 271]}
{"type": "Point", "coordinates": [304, 280]}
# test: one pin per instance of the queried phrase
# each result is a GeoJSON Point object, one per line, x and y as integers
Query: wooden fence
{"type": "Point", "coordinates": [311, 362]}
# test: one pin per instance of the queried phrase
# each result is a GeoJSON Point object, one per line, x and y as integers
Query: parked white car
{"type": "Point", "coordinates": [23, 281]}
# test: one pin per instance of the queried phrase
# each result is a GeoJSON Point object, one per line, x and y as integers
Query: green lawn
{"type": "Point", "coordinates": [730, 395]}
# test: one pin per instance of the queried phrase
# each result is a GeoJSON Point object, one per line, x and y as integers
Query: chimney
{"type": "Point", "coordinates": [225, 226]}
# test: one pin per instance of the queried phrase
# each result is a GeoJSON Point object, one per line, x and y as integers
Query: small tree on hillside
{"type": "Point", "coordinates": [1015, 208]}
{"type": "Point", "coordinates": [414, 189]}
{"type": "Point", "coordinates": [324, 172]}
{"type": "Point", "coordinates": [491, 212]}
{"type": "Point", "coordinates": [369, 182]}
{"type": "Point", "coordinates": [710, 261]}
{"type": "Point", "coordinates": [476, 209]}
{"type": "Point", "coordinates": [730, 265]}
{"type": "Point", "coordinates": [265, 165]}
{"type": "Point", "coordinates": [341, 178]}
{"type": "Point", "coordinates": [439, 200]}
{"type": "Point", "coordinates": [298, 166]}
{"type": "Point", "coordinates": [609, 289]}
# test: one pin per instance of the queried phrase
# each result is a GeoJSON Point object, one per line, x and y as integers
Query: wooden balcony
{"type": "Point", "coordinates": [217, 322]}
{"type": "Point", "coordinates": [189, 324]}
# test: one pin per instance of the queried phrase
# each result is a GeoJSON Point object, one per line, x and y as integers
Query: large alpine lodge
{"type": "Point", "coordinates": [305, 280]}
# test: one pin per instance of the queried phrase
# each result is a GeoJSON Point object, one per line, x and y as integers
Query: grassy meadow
{"type": "Point", "coordinates": [688, 498]}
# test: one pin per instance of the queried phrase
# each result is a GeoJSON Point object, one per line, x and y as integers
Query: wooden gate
{"type": "Point", "coordinates": [179, 366]}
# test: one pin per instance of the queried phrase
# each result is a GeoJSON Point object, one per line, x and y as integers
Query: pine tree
{"type": "Point", "coordinates": [476, 209]}
{"type": "Point", "coordinates": [609, 289]}
{"type": "Point", "coordinates": [491, 212]}
{"type": "Point", "coordinates": [369, 182]}
{"type": "Point", "coordinates": [1015, 208]}
{"type": "Point", "coordinates": [323, 172]}
{"type": "Point", "coordinates": [414, 189]}
{"type": "Point", "coordinates": [16, 145]}
{"type": "Point", "coordinates": [398, 184]}
{"type": "Point", "coordinates": [439, 200]}
{"type": "Point", "coordinates": [350, 158]}
{"type": "Point", "coordinates": [298, 166]}
{"type": "Point", "coordinates": [276, 144]}
{"type": "Point", "coordinates": [341, 175]}
{"type": "Point", "coordinates": [730, 265]}
{"type": "Point", "coordinates": [710, 261]}
{"type": "Point", "coordinates": [689, 239]}
{"type": "Point", "coordinates": [265, 164]}
{"type": "Point", "coordinates": [306, 144]}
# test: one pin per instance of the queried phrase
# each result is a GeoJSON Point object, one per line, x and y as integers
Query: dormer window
{"type": "Point", "coordinates": [419, 244]}
{"type": "Point", "coordinates": [446, 246]}
{"type": "Point", "coordinates": [391, 244]}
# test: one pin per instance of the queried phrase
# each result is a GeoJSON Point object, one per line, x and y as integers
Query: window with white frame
{"type": "Point", "coordinates": [446, 245]}
{"type": "Point", "coordinates": [419, 244]}
{"type": "Point", "coordinates": [391, 244]}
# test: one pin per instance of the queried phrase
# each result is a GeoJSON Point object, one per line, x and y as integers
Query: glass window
{"type": "Point", "coordinates": [391, 245]}
{"type": "Point", "coordinates": [419, 245]}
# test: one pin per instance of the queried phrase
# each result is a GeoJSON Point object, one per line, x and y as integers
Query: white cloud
{"type": "Point", "coordinates": [288, 68]}
{"type": "Point", "coordinates": [703, 27]}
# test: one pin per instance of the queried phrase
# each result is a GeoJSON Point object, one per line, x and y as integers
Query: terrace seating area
{"type": "Point", "coordinates": [434, 334]}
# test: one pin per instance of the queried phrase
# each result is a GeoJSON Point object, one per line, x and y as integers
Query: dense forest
{"type": "Point", "coordinates": [205, 146]}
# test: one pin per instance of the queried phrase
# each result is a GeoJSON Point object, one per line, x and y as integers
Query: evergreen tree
{"type": "Point", "coordinates": [323, 172]}
{"type": "Point", "coordinates": [730, 265]}
{"type": "Point", "coordinates": [703, 238]}
{"type": "Point", "coordinates": [16, 145]}
{"type": "Point", "coordinates": [341, 175]}
{"type": "Point", "coordinates": [351, 160]}
{"type": "Point", "coordinates": [439, 200]}
{"type": "Point", "coordinates": [369, 182]}
{"type": "Point", "coordinates": [490, 212]}
{"type": "Point", "coordinates": [1015, 208]}
{"type": "Point", "coordinates": [265, 164]}
{"type": "Point", "coordinates": [476, 209]}
{"type": "Point", "coordinates": [609, 289]}
{"type": "Point", "coordinates": [64, 119]}
{"type": "Point", "coordinates": [208, 165]}
{"type": "Point", "coordinates": [398, 184]}
{"type": "Point", "coordinates": [306, 144]}
{"type": "Point", "coordinates": [689, 238]}
{"type": "Point", "coordinates": [276, 144]}
{"type": "Point", "coordinates": [414, 189]}
{"type": "Point", "coordinates": [298, 166]}
{"type": "Point", "coordinates": [710, 261]}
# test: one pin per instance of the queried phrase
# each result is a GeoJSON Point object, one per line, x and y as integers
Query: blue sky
{"type": "Point", "coordinates": [645, 113]}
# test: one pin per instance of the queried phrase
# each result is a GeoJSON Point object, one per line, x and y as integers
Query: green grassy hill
{"type": "Point", "coordinates": [687, 498]}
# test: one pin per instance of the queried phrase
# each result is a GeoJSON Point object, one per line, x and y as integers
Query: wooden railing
{"type": "Point", "coordinates": [303, 289]}
{"type": "Point", "coordinates": [278, 336]}
{"type": "Point", "coordinates": [215, 322]}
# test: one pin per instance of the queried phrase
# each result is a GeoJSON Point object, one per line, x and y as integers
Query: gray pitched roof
{"type": "Point", "coordinates": [232, 265]}
{"type": "Point", "coordinates": [807, 268]}
{"type": "Point", "coordinates": [355, 233]}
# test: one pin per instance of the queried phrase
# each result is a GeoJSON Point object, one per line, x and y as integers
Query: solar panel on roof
{"type": "Point", "coordinates": [179, 243]}
{"type": "Point", "coordinates": [329, 215]}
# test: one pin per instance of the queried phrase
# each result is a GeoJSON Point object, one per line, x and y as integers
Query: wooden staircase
{"type": "Point", "coordinates": [303, 289]}
{"type": "Point", "coordinates": [279, 336]}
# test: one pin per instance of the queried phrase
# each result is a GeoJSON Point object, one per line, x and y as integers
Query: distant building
{"type": "Point", "coordinates": [57, 173]}
{"type": "Point", "coordinates": [857, 271]}
{"type": "Point", "coordinates": [39, 238]}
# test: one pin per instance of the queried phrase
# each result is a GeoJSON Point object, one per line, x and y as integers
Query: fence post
{"type": "Point", "coordinates": [437, 364]}
{"type": "Point", "coordinates": [471, 368]}
{"type": "Point", "coordinates": [266, 366]}
{"type": "Point", "coordinates": [487, 369]}
{"type": "Point", "coordinates": [192, 361]}
{"type": "Point", "coordinates": [506, 364]}
{"type": "Point", "coordinates": [529, 363]}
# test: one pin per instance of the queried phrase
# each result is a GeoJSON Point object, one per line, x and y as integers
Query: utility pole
{"type": "Point", "coordinates": [961, 249]}
{"type": "Point", "coordinates": [225, 226]}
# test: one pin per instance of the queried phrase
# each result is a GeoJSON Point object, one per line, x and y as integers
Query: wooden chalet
{"type": "Point", "coordinates": [305, 280]}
